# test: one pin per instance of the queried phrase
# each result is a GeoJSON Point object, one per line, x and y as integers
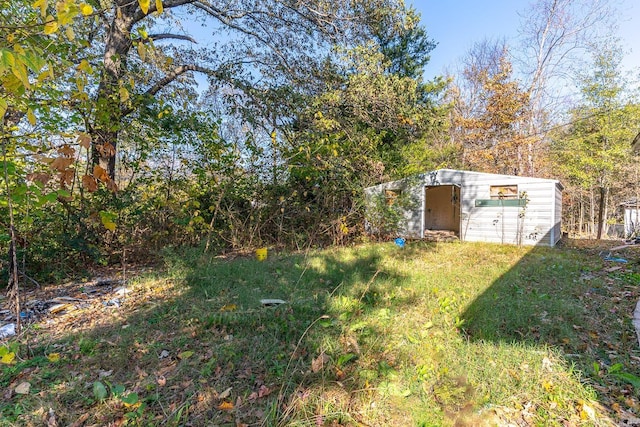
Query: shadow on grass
{"type": "Point", "coordinates": [579, 306]}
{"type": "Point", "coordinates": [197, 346]}
{"type": "Point", "coordinates": [430, 335]}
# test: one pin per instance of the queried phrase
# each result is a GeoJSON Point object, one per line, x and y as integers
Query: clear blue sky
{"type": "Point", "coordinates": [457, 24]}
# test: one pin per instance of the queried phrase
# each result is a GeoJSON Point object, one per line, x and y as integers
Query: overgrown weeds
{"type": "Point", "coordinates": [432, 334]}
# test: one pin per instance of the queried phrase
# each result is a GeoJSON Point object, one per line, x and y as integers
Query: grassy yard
{"type": "Point", "coordinates": [429, 335]}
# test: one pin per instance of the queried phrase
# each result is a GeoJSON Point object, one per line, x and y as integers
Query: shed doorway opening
{"type": "Point", "coordinates": [442, 209]}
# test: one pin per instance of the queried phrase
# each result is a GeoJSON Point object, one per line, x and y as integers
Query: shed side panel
{"type": "Point", "coordinates": [528, 225]}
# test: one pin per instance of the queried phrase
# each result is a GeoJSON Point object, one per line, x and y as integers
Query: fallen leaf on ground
{"type": "Point", "coordinates": [53, 357]}
{"type": "Point", "coordinates": [162, 381]}
{"type": "Point", "coordinates": [103, 374]}
{"type": "Point", "coordinates": [225, 406]}
{"type": "Point", "coordinates": [185, 354]}
{"type": "Point", "coordinates": [319, 362]}
{"type": "Point", "coordinates": [141, 373]}
{"type": "Point", "coordinates": [8, 358]}
{"type": "Point", "coordinates": [80, 421]}
{"type": "Point", "coordinates": [23, 388]}
{"type": "Point", "coordinates": [225, 393]}
{"type": "Point", "coordinates": [264, 391]}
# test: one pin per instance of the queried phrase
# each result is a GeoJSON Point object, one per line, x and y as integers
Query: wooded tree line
{"type": "Point", "coordinates": [129, 126]}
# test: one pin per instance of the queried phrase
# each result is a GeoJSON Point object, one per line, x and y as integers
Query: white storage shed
{"type": "Point", "coordinates": [478, 206]}
{"type": "Point", "coordinates": [631, 210]}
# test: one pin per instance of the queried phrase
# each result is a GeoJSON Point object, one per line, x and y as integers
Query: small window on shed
{"type": "Point", "coordinates": [391, 196]}
{"type": "Point", "coordinates": [502, 192]}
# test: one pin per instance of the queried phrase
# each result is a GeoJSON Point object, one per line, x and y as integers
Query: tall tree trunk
{"type": "Point", "coordinates": [601, 210]}
{"type": "Point", "coordinates": [592, 214]}
{"type": "Point", "coordinates": [581, 216]}
{"type": "Point", "coordinates": [108, 113]}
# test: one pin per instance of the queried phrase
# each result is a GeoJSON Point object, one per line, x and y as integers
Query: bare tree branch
{"type": "Point", "coordinates": [163, 36]}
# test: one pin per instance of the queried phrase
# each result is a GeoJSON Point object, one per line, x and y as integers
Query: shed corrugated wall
{"type": "Point", "coordinates": [538, 223]}
{"type": "Point", "coordinates": [529, 225]}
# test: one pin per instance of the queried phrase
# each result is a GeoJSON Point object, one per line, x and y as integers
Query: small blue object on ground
{"type": "Point", "coordinates": [400, 242]}
{"type": "Point", "coordinates": [609, 257]}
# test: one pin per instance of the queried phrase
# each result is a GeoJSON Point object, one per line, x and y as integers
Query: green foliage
{"type": "Point", "coordinates": [281, 161]}
{"type": "Point", "coordinates": [593, 153]}
{"type": "Point", "coordinates": [385, 216]}
{"type": "Point", "coordinates": [415, 330]}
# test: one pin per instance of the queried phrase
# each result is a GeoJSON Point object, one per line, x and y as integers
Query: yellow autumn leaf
{"type": "Point", "coordinates": [67, 10]}
{"type": "Point", "coordinates": [51, 26]}
{"type": "Point", "coordinates": [20, 71]}
{"type": "Point", "coordinates": [53, 357]}
{"type": "Point", "coordinates": [185, 354]}
{"type": "Point", "coordinates": [107, 219]}
{"type": "Point", "coordinates": [7, 60]}
{"type": "Point", "coordinates": [124, 94]}
{"type": "Point", "coordinates": [159, 6]}
{"type": "Point", "coordinates": [132, 406]}
{"type": "Point", "coordinates": [85, 67]}
{"type": "Point", "coordinates": [42, 5]}
{"type": "Point", "coordinates": [86, 9]}
{"type": "Point", "coordinates": [225, 406]}
{"type": "Point", "coordinates": [3, 107]}
{"type": "Point", "coordinates": [229, 307]}
{"type": "Point", "coordinates": [8, 358]}
{"type": "Point", "coordinates": [19, 49]}
{"type": "Point", "coordinates": [31, 117]}
{"type": "Point", "coordinates": [70, 34]}
{"type": "Point", "coordinates": [142, 51]}
{"type": "Point", "coordinates": [144, 5]}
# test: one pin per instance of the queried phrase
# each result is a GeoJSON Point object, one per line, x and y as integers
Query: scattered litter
{"type": "Point", "coordinates": [164, 354]}
{"type": "Point", "coordinates": [635, 241]}
{"type": "Point", "coordinates": [108, 281]}
{"type": "Point", "coordinates": [51, 418]}
{"type": "Point", "coordinates": [59, 307]}
{"type": "Point", "coordinates": [399, 242]}
{"type": "Point", "coordinates": [64, 299]}
{"type": "Point", "coordinates": [261, 254]}
{"type": "Point", "coordinates": [609, 257]}
{"type": "Point", "coordinates": [114, 302]}
{"type": "Point", "coordinates": [7, 331]}
{"type": "Point", "coordinates": [271, 302]}
{"type": "Point", "coordinates": [27, 316]}
{"type": "Point", "coordinates": [121, 291]}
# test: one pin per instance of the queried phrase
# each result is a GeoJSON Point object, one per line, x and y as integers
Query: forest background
{"type": "Point", "coordinates": [132, 126]}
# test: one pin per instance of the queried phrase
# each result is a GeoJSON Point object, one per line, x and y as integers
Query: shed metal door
{"type": "Point", "coordinates": [442, 208]}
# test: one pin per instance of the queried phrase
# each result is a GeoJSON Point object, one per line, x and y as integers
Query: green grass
{"type": "Point", "coordinates": [432, 334]}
